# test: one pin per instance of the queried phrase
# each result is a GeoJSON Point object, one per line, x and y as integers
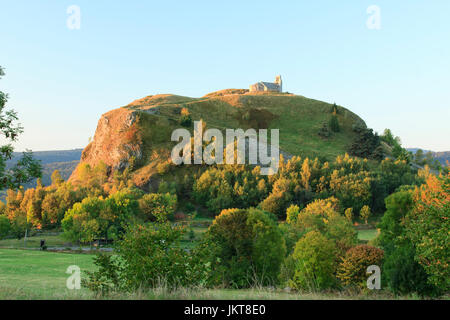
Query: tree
{"type": "Point", "coordinates": [321, 215]}
{"type": "Point", "coordinates": [314, 261]}
{"type": "Point", "coordinates": [428, 225]}
{"type": "Point", "coordinates": [5, 226]}
{"type": "Point", "coordinates": [334, 123]}
{"type": "Point", "coordinates": [56, 178]}
{"type": "Point", "coordinates": [353, 267]}
{"type": "Point", "coordinates": [349, 214]}
{"type": "Point", "coordinates": [365, 213]}
{"type": "Point", "coordinates": [248, 245]}
{"type": "Point", "coordinates": [291, 214]}
{"type": "Point", "coordinates": [27, 168]}
{"type": "Point", "coordinates": [366, 144]}
{"type": "Point", "coordinates": [185, 119]}
{"type": "Point", "coordinates": [157, 206]}
{"type": "Point", "coordinates": [403, 274]}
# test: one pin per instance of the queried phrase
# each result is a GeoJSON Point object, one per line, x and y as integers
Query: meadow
{"type": "Point", "coordinates": [37, 275]}
{"type": "Point", "coordinates": [34, 274]}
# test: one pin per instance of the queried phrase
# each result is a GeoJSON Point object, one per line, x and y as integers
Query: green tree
{"type": "Point", "coordinates": [334, 123]}
{"type": "Point", "coordinates": [149, 256]}
{"type": "Point", "coordinates": [314, 261]}
{"type": "Point", "coordinates": [5, 227]}
{"type": "Point", "coordinates": [56, 178]}
{"type": "Point", "coordinates": [348, 213]}
{"type": "Point", "coordinates": [27, 168]}
{"type": "Point", "coordinates": [365, 214]}
{"type": "Point", "coordinates": [428, 225]}
{"type": "Point", "coordinates": [291, 214]}
{"type": "Point", "coordinates": [245, 248]}
{"type": "Point", "coordinates": [157, 206]}
{"type": "Point", "coordinates": [403, 274]}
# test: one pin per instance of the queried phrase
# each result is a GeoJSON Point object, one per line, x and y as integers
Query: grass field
{"type": "Point", "coordinates": [29, 274]}
{"type": "Point", "coordinates": [34, 274]}
{"type": "Point", "coordinates": [39, 274]}
{"type": "Point", "coordinates": [367, 235]}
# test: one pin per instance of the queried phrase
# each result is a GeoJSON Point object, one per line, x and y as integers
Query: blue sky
{"type": "Point", "coordinates": [60, 80]}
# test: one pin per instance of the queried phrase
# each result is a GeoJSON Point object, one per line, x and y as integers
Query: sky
{"type": "Point", "coordinates": [60, 80]}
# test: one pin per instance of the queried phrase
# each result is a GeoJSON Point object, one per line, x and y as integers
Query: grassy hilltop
{"type": "Point", "coordinates": [143, 128]}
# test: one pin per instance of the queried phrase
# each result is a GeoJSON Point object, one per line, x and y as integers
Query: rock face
{"type": "Point", "coordinates": [116, 140]}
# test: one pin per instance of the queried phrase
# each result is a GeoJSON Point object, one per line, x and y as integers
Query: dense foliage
{"type": "Point", "coordinates": [414, 235]}
{"type": "Point", "coordinates": [353, 267]}
{"type": "Point", "coordinates": [245, 248]}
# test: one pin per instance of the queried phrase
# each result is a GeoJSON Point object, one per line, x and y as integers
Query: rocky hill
{"type": "Point", "coordinates": [142, 129]}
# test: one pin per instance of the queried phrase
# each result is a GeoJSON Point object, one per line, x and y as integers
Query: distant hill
{"type": "Point", "coordinates": [441, 156]}
{"type": "Point", "coordinates": [142, 129]}
{"type": "Point", "coordinates": [63, 160]}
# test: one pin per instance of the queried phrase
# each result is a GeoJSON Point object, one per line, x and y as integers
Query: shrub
{"type": "Point", "coordinates": [315, 262]}
{"type": "Point", "coordinates": [185, 119]}
{"type": "Point", "coordinates": [148, 256]}
{"type": "Point", "coordinates": [404, 275]}
{"type": "Point", "coordinates": [365, 213]}
{"type": "Point", "coordinates": [352, 269]}
{"type": "Point", "coordinates": [163, 167]}
{"type": "Point", "coordinates": [5, 227]}
{"type": "Point", "coordinates": [349, 214]}
{"type": "Point", "coordinates": [292, 213]}
{"type": "Point", "coordinates": [334, 124]}
{"type": "Point", "coordinates": [249, 246]}
{"type": "Point", "coordinates": [321, 215]}
{"type": "Point", "coordinates": [157, 206]}
{"type": "Point", "coordinates": [324, 131]}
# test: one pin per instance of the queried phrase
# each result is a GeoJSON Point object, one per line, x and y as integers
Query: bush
{"type": "Point", "coordinates": [404, 275]}
{"type": "Point", "coordinates": [324, 131]}
{"type": "Point", "coordinates": [291, 214]}
{"type": "Point", "coordinates": [321, 215]}
{"type": "Point", "coordinates": [365, 214]}
{"type": "Point", "coordinates": [147, 257]}
{"type": "Point", "coordinates": [348, 213]}
{"type": "Point", "coordinates": [5, 227]}
{"type": "Point", "coordinates": [334, 124]}
{"type": "Point", "coordinates": [156, 206]}
{"type": "Point", "coordinates": [249, 246]}
{"type": "Point", "coordinates": [352, 269]}
{"type": "Point", "coordinates": [185, 119]}
{"type": "Point", "coordinates": [315, 262]}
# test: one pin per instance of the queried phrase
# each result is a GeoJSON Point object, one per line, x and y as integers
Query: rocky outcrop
{"type": "Point", "coordinates": [115, 142]}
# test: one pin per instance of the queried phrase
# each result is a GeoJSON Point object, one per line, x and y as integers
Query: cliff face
{"type": "Point", "coordinates": [115, 141]}
{"type": "Point", "coordinates": [142, 130]}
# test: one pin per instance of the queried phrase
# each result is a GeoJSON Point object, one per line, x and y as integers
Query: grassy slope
{"type": "Point", "coordinates": [298, 119]}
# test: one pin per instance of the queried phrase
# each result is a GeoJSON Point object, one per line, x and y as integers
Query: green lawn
{"type": "Point", "coordinates": [32, 274]}
{"type": "Point", "coordinates": [39, 274]}
{"type": "Point", "coordinates": [367, 235]}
